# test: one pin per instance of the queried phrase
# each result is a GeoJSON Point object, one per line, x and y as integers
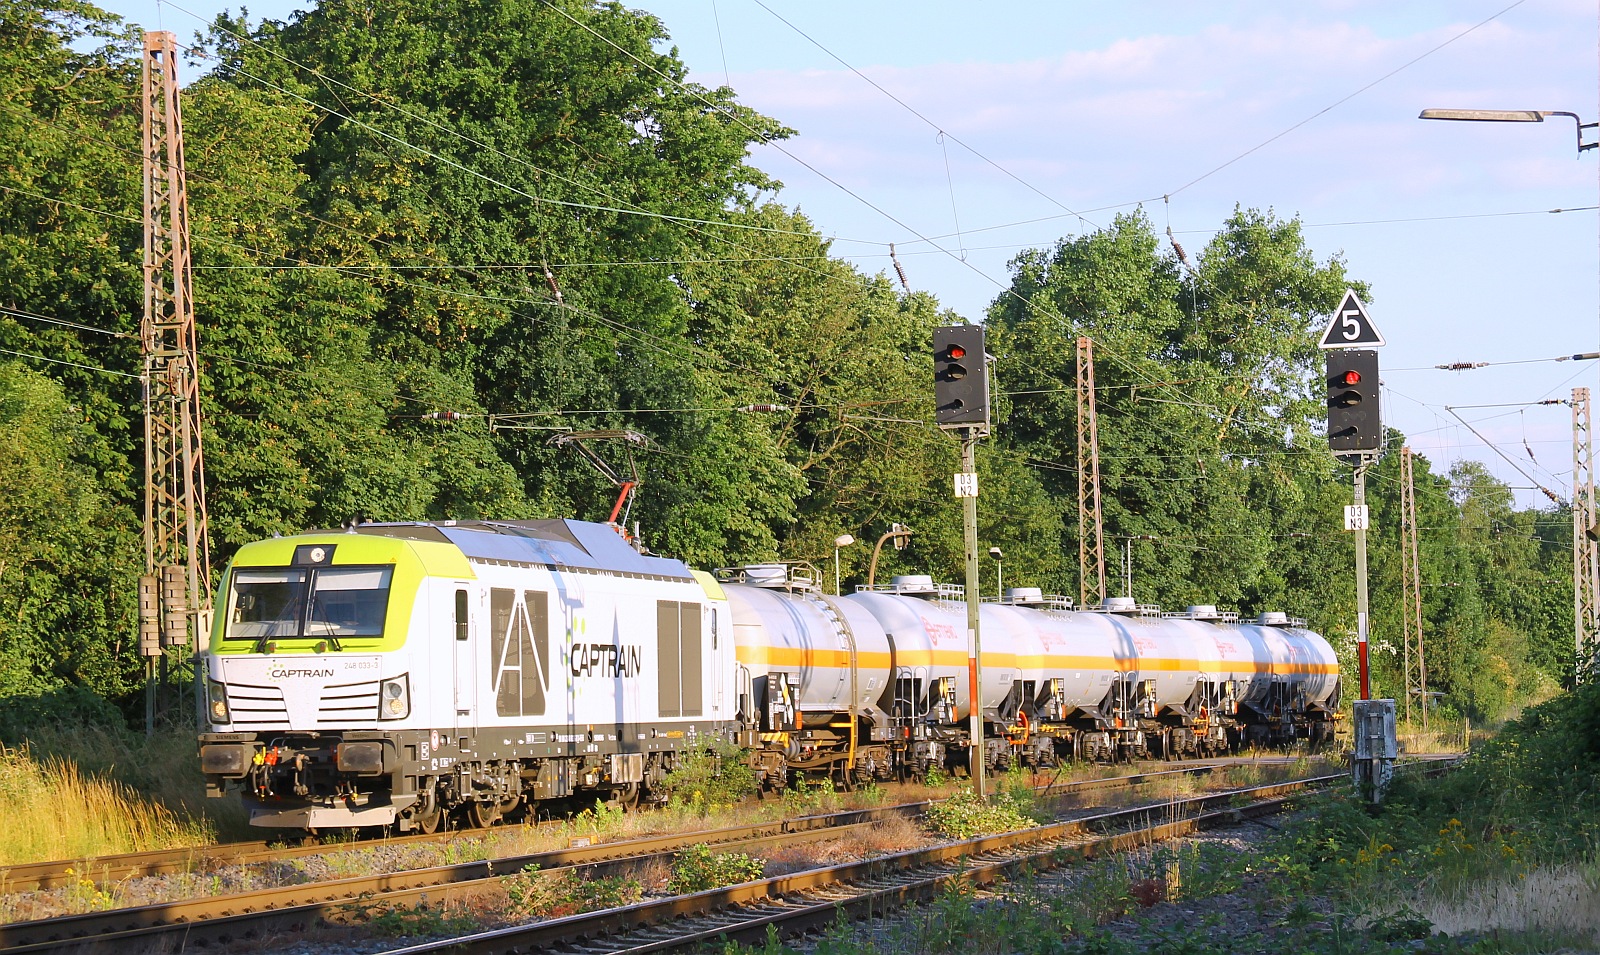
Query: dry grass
{"type": "Point", "coordinates": [1563, 902]}
{"type": "Point", "coordinates": [881, 838]}
{"type": "Point", "coordinates": [1441, 737]}
{"type": "Point", "coordinates": [55, 810]}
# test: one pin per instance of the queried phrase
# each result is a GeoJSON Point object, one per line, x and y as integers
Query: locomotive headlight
{"type": "Point", "coordinates": [394, 698]}
{"type": "Point", "coordinates": [217, 701]}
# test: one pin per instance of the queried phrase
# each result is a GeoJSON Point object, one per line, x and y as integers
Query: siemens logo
{"type": "Point", "coordinates": [280, 673]}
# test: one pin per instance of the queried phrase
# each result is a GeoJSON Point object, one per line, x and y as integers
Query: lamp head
{"type": "Point", "coordinates": [1487, 115]}
{"type": "Point", "coordinates": [995, 553]}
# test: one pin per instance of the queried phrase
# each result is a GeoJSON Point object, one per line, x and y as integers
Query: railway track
{"type": "Point", "coordinates": [812, 900]}
{"type": "Point", "coordinates": [258, 915]}
{"type": "Point", "coordinates": [112, 869]}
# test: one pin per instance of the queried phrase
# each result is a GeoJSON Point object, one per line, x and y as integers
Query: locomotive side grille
{"type": "Point", "coordinates": [257, 705]}
{"type": "Point", "coordinates": [348, 701]}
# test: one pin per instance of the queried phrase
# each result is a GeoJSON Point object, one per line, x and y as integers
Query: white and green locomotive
{"type": "Point", "coordinates": [390, 674]}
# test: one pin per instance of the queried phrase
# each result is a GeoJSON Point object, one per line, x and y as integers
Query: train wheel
{"type": "Point", "coordinates": [627, 797]}
{"type": "Point", "coordinates": [429, 822]}
{"type": "Point", "coordinates": [482, 815]}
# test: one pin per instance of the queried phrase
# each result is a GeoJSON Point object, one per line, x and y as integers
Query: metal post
{"type": "Point", "coordinates": [1585, 557]}
{"type": "Point", "coordinates": [1091, 524]}
{"type": "Point", "coordinates": [177, 554]}
{"type": "Point", "coordinates": [1361, 576]}
{"type": "Point", "coordinates": [1411, 588]}
{"type": "Point", "coordinates": [969, 526]}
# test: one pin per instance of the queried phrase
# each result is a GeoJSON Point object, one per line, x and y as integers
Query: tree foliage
{"type": "Point", "coordinates": [430, 234]}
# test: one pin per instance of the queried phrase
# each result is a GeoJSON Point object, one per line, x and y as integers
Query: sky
{"type": "Point", "coordinates": [1008, 125]}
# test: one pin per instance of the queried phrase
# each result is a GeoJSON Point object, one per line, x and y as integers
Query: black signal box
{"type": "Point", "coordinates": [1354, 421]}
{"type": "Point", "coordinates": [960, 377]}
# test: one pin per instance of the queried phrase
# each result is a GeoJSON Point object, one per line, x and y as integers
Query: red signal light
{"type": "Point", "coordinates": [956, 352]}
{"type": "Point", "coordinates": [1351, 378]}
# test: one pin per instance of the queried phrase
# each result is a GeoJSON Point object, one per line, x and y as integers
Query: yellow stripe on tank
{"type": "Point", "coordinates": [792, 657]}
{"type": "Point", "coordinates": [797, 657]}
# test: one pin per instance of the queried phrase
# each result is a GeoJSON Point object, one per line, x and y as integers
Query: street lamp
{"type": "Point", "coordinates": [901, 535]}
{"type": "Point", "coordinates": [1127, 560]}
{"type": "Point", "coordinates": [1585, 578]}
{"type": "Point", "coordinates": [843, 540]}
{"type": "Point", "coordinates": [1510, 116]}
{"type": "Point", "coordinates": [999, 573]}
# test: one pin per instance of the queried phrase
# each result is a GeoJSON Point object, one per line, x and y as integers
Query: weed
{"type": "Point", "coordinates": [604, 818]}
{"type": "Point", "coordinates": [964, 815]}
{"type": "Point", "coordinates": [697, 869]}
{"type": "Point", "coordinates": [59, 811]}
{"type": "Point", "coordinates": [535, 894]}
{"type": "Point", "coordinates": [711, 779]}
{"type": "Point", "coordinates": [84, 894]}
{"type": "Point", "coordinates": [392, 920]}
{"type": "Point", "coordinates": [808, 798]}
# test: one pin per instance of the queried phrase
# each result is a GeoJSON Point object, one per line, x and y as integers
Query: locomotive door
{"type": "Point", "coordinates": [464, 625]}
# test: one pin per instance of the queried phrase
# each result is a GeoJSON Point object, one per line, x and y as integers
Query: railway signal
{"type": "Point", "coordinates": [960, 377]}
{"type": "Point", "coordinates": [1355, 429]}
{"type": "Point", "coordinates": [1354, 420]}
{"type": "Point", "coordinates": [961, 403]}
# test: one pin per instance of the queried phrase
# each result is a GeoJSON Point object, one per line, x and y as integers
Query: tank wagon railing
{"type": "Point", "coordinates": [937, 591]}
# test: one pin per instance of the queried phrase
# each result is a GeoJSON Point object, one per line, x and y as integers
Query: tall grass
{"type": "Point", "coordinates": [1506, 842]}
{"type": "Point", "coordinates": [1445, 734]}
{"type": "Point", "coordinates": [1560, 901]}
{"type": "Point", "coordinates": [55, 810]}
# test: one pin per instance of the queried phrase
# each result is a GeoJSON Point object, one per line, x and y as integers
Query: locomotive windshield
{"type": "Point", "coordinates": [272, 603]}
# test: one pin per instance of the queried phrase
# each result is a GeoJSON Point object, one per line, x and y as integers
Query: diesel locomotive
{"type": "Point", "coordinates": [397, 674]}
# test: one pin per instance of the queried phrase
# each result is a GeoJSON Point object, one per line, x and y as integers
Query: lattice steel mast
{"type": "Point", "coordinates": [1091, 536]}
{"type": "Point", "coordinates": [1411, 590]}
{"type": "Point", "coordinates": [1585, 561]}
{"type": "Point", "coordinates": [174, 600]}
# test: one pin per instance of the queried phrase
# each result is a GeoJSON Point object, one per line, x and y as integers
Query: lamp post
{"type": "Point", "coordinates": [1585, 560]}
{"type": "Point", "coordinates": [999, 573]}
{"type": "Point", "coordinates": [843, 540]}
{"type": "Point", "coordinates": [901, 535]}
{"type": "Point", "coordinates": [1127, 560]}
{"type": "Point", "coordinates": [1510, 116]}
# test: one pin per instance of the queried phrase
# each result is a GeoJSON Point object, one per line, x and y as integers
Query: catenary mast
{"type": "Point", "coordinates": [174, 592]}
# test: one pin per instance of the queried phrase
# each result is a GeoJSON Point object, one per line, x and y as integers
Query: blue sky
{"type": "Point", "coordinates": [1102, 106]}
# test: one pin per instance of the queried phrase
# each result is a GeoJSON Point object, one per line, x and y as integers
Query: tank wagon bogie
{"type": "Point", "coordinates": [395, 674]}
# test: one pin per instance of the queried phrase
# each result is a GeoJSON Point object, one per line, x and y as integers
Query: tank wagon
{"type": "Point", "coordinates": [394, 674]}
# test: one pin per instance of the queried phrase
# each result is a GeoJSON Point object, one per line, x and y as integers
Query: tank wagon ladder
{"type": "Point", "coordinates": [836, 618]}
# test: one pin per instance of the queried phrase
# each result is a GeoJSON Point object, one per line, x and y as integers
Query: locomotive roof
{"type": "Point", "coordinates": [581, 545]}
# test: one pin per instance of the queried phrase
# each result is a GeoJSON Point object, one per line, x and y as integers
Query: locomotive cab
{"type": "Point", "coordinates": [307, 675]}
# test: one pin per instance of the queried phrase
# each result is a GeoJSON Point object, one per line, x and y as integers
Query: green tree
{"type": "Point", "coordinates": [66, 547]}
